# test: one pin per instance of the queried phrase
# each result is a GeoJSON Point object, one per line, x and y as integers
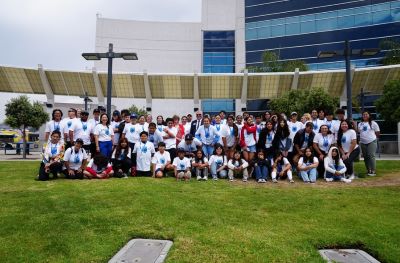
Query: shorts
{"type": "Point", "coordinates": [252, 149]}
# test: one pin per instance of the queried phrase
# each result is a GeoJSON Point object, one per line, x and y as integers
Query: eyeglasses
{"type": "Point", "coordinates": [198, 114]}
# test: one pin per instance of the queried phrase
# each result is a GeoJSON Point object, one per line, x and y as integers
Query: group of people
{"type": "Point", "coordinates": [267, 147]}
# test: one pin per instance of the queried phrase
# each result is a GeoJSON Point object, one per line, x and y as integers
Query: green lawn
{"type": "Point", "coordinates": [89, 221]}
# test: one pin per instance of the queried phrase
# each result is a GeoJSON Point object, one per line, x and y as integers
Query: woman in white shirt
{"type": "Point", "coordinates": [75, 160]}
{"type": "Point", "coordinates": [55, 125]}
{"type": "Point", "coordinates": [369, 132]}
{"type": "Point", "coordinates": [104, 136]}
{"type": "Point", "coordinates": [207, 134]}
{"type": "Point", "coordinates": [53, 153]}
{"type": "Point", "coordinates": [321, 144]}
{"type": "Point", "coordinates": [308, 166]}
{"type": "Point", "coordinates": [347, 142]}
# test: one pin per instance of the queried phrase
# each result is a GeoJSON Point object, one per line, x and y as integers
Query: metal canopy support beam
{"type": "Point", "coordinates": [147, 91]}
{"type": "Point", "coordinates": [343, 97]}
{"type": "Point", "coordinates": [243, 98]}
{"type": "Point", "coordinates": [97, 85]}
{"type": "Point", "coordinates": [295, 82]}
{"type": "Point", "coordinates": [196, 96]}
{"type": "Point", "coordinates": [46, 86]}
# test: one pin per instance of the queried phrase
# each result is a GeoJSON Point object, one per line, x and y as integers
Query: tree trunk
{"type": "Point", "coordinates": [24, 143]}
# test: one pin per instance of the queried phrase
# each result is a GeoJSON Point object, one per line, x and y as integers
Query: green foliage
{"type": "Point", "coordinates": [303, 101]}
{"type": "Point", "coordinates": [388, 104]}
{"type": "Point", "coordinates": [89, 221]}
{"type": "Point", "coordinates": [137, 111]}
{"type": "Point", "coordinates": [392, 56]}
{"type": "Point", "coordinates": [271, 63]}
{"type": "Point", "coordinates": [20, 113]}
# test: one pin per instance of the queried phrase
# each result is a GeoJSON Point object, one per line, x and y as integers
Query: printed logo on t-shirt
{"type": "Point", "coordinates": [365, 128]}
{"type": "Point", "coordinates": [218, 162]}
{"type": "Point", "coordinates": [53, 149]}
{"type": "Point", "coordinates": [84, 127]}
{"type": "Point", "coordinates": [69, 124]}
{"type": "Point", "coordinates": [207, 133]}
{"type": "Point", "coordinates": [144, 149]}
{"type": "Point", "coordinates": [107, 132]}
{"type": "Point", "coordinates": [162, 160]}
{"type": "Point", "coordinates": [77, 159]}
{"type": "Point", "coordinates": [182, 166]}
{"type": "Point", "coordinates": [294, 129]}
{"type": "Point", "coordinates": [132, 130]}
{"type": "Point", "coordinates": [343, 139]}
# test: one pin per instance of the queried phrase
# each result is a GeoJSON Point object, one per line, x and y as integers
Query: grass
{"type": "Point", "coordinates": [89, 221]}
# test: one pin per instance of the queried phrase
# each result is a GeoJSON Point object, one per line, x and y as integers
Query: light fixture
{"type": "Point", "coordinates": [369, 51]}
{"type": "Point", "coordinates": [91, 56]}
{"type": "Point", "coordinates": [326, 54]}
{"type": "Point", "coordinates": [129, 56]}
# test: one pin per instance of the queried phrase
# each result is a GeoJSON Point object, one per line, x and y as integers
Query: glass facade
{"type": "Point", "coordinates": [299, 29]}
{"type": "Point", "coordinates": [218, 57]}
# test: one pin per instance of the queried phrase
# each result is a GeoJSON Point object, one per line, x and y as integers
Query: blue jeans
{"type": "Point", "coordinates": [214, 173]}
{"type": "Point", "coordinates": [106, 148]}
{"type": "Point", "coordinates": [208, 150]}
{"type": "Point", "coordinates": [309, 175]}
{"type": "Point", "coordinates": [261, 172]}
{"type": "Point", "coordinates": [334, 176]}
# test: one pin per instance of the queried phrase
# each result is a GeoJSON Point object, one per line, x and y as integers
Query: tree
{"type": "Point", "coordinates": [303, 101]}
{"type": "Point", "coordinates": [388, 104]}
{"type": "Point", "coordinates": [392, 56]}
{"type": "Point", "coordinates": [271, 63]}
{"type": "Point", "coordinates": [137, 111]}
{"type": "Point", "coordinates": [21, 114]}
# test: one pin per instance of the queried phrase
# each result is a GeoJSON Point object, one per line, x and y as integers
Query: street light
{"type": "Point", "coordinates": [86, 99]}
{"type": "Point", "coordinates": [110, 55]}
{"type": "Point", "coordinates": [347, 53]}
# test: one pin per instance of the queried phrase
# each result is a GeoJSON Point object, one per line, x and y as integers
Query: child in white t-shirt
{"type": "Point", "coordinates": [144, 151]}
{"type": "Point", "coordinates": [218, 163]}
{"type": "Point", "coordinates": [238, 167]}
{"type": "Point", "coordinates": [200, 166]}
{"type": "Point", "coordinates": [161, 161]}
{"type": "Point", "coordinates": [307, 166]}
{"type": "Point", "coordinates": [182, 166]}
{"type": "Point", "coordinates": [281, 167]}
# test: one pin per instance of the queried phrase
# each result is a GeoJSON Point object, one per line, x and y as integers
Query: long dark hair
{"type": "Point", "coordinates": [196, 159]}
{"type": "Point", "coordinates": [369, 118]}
{"type": "Point", "coordinates": [307, 159]}
{"type": "Point", "coordinates": [108, 119]}
{"type": "Point", "coordinates": [240, 158]}
{"type": "Point", "coordinates": [337, 157]}
{"type": "Point", "coordinates": [100, 160]}
{"type": "Point", "coordinates": [235, 127]}
{"type": "Point", "coordinates": [282, 132]}
{"type": "Point", "coordinates": [54, 111]}
{"type": "Point", "coordinates": [119, 148]}
{"type": "Point", "coordinates": [340, 132]}
{"type": "Point", "coordinates": [216, 146]}
{"type": "Point", "coordinates": [277, 154]}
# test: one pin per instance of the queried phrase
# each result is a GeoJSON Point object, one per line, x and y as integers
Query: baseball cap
{"type": "Point", "coordinates": [96, 111]}
{"type": "Point", "coordinates": [133, 116]}
{"type": "Point", "coordinates": [180, 150]}
{"type": "Point", "coordinates": [79, 140]}
{"type": "Point", "coordinates": [116, 113]}
{"type": "Point", "coordinates": [188, 137]}
{"type": "Point", "coordinates": [293, 113]}
{"type": "Point", "coordinates": [84, 112]}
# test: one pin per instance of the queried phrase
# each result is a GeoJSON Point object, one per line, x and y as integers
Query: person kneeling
{"type": "Point", "coordinates": [237, 167]}
{"type": "Point", "coordinates": [52, 157]}
{"type": "Point", "coordinates": [182, 166]}
{"type": "Point", "coordinates": [121, 159]}
{"type": "Point", "coordinates": [334, 167]}
{"type": "Point", "coordinates": [281, 167]}
{"type": "Point", "coordinates": [161, 161]}
{"type": "Point", "coordinates": [75, 160]}
{"type": "Point", "coordinates": [99, 167]}
{"type": "Point", "coordinates": [200, 166]}
{"type": "Point", "coordinates": [307, 166]}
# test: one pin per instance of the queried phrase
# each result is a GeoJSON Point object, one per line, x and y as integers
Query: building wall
{"type": "Point", "coordinates": [299, 29]}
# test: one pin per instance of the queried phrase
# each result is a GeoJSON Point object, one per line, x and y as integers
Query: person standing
{"type": "Point", "coordinates": [104, 136]}
{"type": "Point", "coordinates": [55, 124]}
{"type": "Point", "coordinates": [347, 142]}
{"type": "Point", "coordinates": [369, 133]}
{"type": "Point", "coordinates": [67, 124]}
{"type": "Point", "coordinates": [195, 125]}
{"type": "Point", "coordinates": [81, 129]}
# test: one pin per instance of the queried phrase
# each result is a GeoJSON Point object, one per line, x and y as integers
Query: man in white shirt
{"type": "Point", "coordinates": [190, 145]}
{"type": "Point", "coordinates": [182, 166]}
{"type": "Point", "coordinates": [67, 124]}
{"type": "Point", "coordinates": [83, 130]}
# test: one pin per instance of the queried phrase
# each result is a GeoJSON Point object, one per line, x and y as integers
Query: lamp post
{"type": "Point", "coordinates": [86, 99]}
{"type": "Point", "coordinates": [110, 55]}
{"type": "Point", "coordinates": [347, 53]}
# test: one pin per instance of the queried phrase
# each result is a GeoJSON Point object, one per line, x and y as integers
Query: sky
{"type": "Point", "coordinates": [54, 33]}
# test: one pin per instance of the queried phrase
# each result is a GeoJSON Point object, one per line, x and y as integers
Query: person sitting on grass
{"type": "Point", "coordinates": [121, 159]}
{"type": "Point", "coordinates": [144, 151]}
{"type": "Point", "coordinates": [238, 167]}
{"type": "Point", "coordinates": [262, 167]}
{"type": "Point", "coordinates": [200, 166]}
{"type": "Point", "coordinates": [75, 160]}
{"type": "Point", "coordinates": [282, 168]}
{"type": "Point", "coordinates": [218, 163]}
{"type": "Point", "coordinates": [99, 168]}
{"type": "Point", "coordinates": [334, 167]}
{"type": "Point", "coordinates": [53, 153]}
{"type": "Point", "coordinates": [307, 166]}
{"type": "Point", "coordinates": [161, 161]}
{"type": "Point", "coordinates": [182, 166]}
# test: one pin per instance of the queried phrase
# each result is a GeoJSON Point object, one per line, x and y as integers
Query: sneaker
{"type": "Point", "coordinates": [215, 178]}
{"type": "Point", "coordinates": [124, 175]}
{"type": "Point", "coordinates": [205, 178]}
{"type": "Point", "coordinates": [345, 180]}
{"type": "Point", "coordinates": [198, 178]}
{"type": "Point", "coordinates": [371, 173]}
{"type": "Point", "coordinates": [274, 180]}
{"type": "Point", "coordinates": [352, 177]}
{"type": "Point", "coordinates": [329, 179]}
{"type": "Point", "coordinates": [244, 179]}
{"type": "Point", "coordinates": [230, 179]}
{"type": "Point", "coordinates": [259, 180]}
{"type": "Point", "coordinates": [291, 181]}
{"type": "Point", "coordinates": [263, 181]}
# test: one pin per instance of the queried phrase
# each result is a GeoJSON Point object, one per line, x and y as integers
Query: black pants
{"type": "Point", "coordinates": [76, 176]}
{"type": "Point", "coordinates": [172, 153]}
{"type": "Point", "coordinates": [321, 166]}
{"type": "Point", "coordinates": [124, 165]}
{"type": "Point", "coordinates": [349, 161]}
{"type": "Point", "coordinates": [54, 169]}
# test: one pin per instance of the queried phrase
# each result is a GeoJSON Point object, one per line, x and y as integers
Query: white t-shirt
{"type": "Point", "coordinates": [75, 159]}
{"type": "Point", "coordinates": [269, 139]}
{"type": "Point", "coordinates": [294, 128]}
{"type": "Point", "coordinates": [222, 131]}
{"type": "Point", "coordinates": [324, 142]}
{"type": "Point", "coordinates": [82, 130]}
{"type": "Point", "coordinates": [348, 136]}
{"type": "Point", "coordinates": [187, 127]}
{"type": "Point", "coordinates": [302, 164]}
{"type": "Point", "coordinates": [155, 138]}
{"type": "Point", "coordinates": [189, 147]}
{"type": "Point", "coordinates": [114, 125]}
{"type": "Point", "coordinates": [206, 134]}
{"type": "Point", "coordinates": [160, 160]}
{"type": "Point", "coordinates": [98, 170]}
{"type": "Point", "coordinates": [218, 159]}
{"type": "Point", "coordinates": [160, 127]}
{"type": "Point", "coordinates": [93, 122]}
{"type": "Point", "coordinates": [181, 164]}
{"type": "Point", "coordinates": [285, 161]}
{"type": "Point", "coordinates": [367, 132]}
{"type": "Point", "coordinates": [240, 126]}
{"type": "Point", "coordinates": [142, 127]}
{"type": "Point", "coordinates": [317, 124]}
{"type": "Point", "coordinates": [170, 143]}
{"type": "Point", "coordinates": [52, 150]}
{"type": "Point", "coordinates": [52, 126]}
{"type": "Point", "coordinates": [230, 136]}
{"type": "Point", "coordinates": [67, 123]}
{"type": "Point", "coordinates": [128, 155]}
{"type": "Point", "coordinates": [202, 161]}
{"type": "Point", "coordinates": [258, 130]}
{"type": "Point", "coordinates": [103, 132]}
{"type": "Point", "coordinates": [249, 138]}
{"type": "Point", "coordinates": [143, 155]}
{"type": "Point", "coordinates": [130, 133]}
